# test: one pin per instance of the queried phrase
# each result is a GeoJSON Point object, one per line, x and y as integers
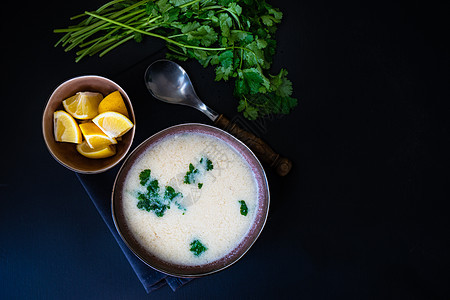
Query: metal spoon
{"type": "Point", "coordinates": [169, 82]}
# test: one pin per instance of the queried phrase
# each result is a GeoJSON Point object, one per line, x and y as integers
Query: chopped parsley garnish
{"type": "Point", "coordinates": [205, 164]}
{"type": "Point", "coordinates": [244, 208]}
{"type": "Point", "coordinates": [144, 176]}
{"type": "Point", "coordinates": [151, 204]}
{"type": "Point", "coordinates": [152, 200]}
{"type": "Point", "coordinates": [170, 193]}
{"type": "Point", "coordinates": [209, 165]}
{"type": "Point", "coordinates": [197, 248]}
{"type": "Point", "coordinates": [190, 175]}
{"type": "Point", "coordinates": [153, 187]}
{"type": "Point", "coordinates": [200, 185]}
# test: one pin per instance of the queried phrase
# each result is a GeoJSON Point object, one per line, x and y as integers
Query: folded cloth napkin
{"type": "Point", "coordinates": [99, 188]}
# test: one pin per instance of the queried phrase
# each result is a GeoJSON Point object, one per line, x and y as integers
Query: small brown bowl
{"type": "Point", "coordinates": [66, 153]}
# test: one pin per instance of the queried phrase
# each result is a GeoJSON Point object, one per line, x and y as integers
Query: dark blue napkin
{"type": "Point", "coordinates": [99, 188]}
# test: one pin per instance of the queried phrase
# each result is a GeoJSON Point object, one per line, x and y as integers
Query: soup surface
{"type": "Point", "coordinates": [190, 199]}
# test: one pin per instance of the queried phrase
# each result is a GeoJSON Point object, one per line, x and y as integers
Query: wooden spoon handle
{"type": "Point", "coordinates": [263, 151]}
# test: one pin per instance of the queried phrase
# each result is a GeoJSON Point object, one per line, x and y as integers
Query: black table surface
{"type": "Point", "coordinates": [362, 215]}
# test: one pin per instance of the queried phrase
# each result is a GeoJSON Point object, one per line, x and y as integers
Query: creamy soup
{"type": "Point", "coordinates": [190, 199]}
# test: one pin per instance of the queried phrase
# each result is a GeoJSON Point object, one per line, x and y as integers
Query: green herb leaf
{"type": "Point", "coordinates": [163, 5]}
{"type": "Point", "coordinates": [190, 26]}
{"type": "Point", "coordinates": [225, 23]}
{"type": "Point", "coordinates": [193, 172]}
{"type": "Point", "coordinates": [189, 177]}
{"type": "Point", "coordinates": [244, 208]}
{"type": "Point", "coordinates": [197, 247]}
{"type": "Point", "coordinates": [281, 85]}
{"type": "Point", "coordinates": [251, 81]}
{"type": "Point", "coordinates": [204, 34]}
{"type": "Point", "coordinates": [144, 176]}
{"type": "Point", "coordinates": [242, 36]}
{"type": "Point", "coordinates": [235, 9]}
{"type": "Point", "coordinates": [226, 65]}
{"type": "Point", "coordinates": [179, 2]}
{"type": "Point", "coordinates": [170, 193]}
{"type": "Point", "coordinates": [209, 165]}
{"type": "Point", "coordinates": [152, 200]}
{"type": "Point", "coordinates": [251, 112]}
{"type": "Point", "coordinates": [153, 187]}
{"type": "Point", "coordinates": [148, 203]}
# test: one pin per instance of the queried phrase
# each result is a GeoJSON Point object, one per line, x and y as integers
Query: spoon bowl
{"type": "Point", "coordinates": [169, 82]}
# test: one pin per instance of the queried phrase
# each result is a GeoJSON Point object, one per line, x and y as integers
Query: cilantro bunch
{"type": "Point", "coordinates": [236, 37]}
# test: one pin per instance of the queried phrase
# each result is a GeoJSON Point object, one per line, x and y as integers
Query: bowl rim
{"type": "Point", "coordinates": [132, 130]}
{"type": "Point", "coordinates": [253, 238]}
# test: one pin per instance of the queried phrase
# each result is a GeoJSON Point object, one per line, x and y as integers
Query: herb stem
{"type": "Point", "coordinates": [130, 17]}
{"type": "Point", "coordinates": [168, 40]}
{"type": "Point", "coordinates": [114, 15]}
{"type": "Point", "coordinates": [189, 3]}
{"type": "Point", "coordinates": [176, 35]}
{"type": "Point", "coordinates": [116, 45]}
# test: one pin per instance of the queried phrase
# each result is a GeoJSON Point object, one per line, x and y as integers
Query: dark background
{"type": "Point", "coordinates": [362, 215]}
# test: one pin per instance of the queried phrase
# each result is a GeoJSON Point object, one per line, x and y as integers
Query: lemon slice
{"type": "Point", "coordinates": [83, 105]}
{"type": "Point", "coordinates": [66, 128]}
{"type": "Point", "coordinates": [113, 124]}
{"type": "Point", "coordinates": [95, 137]}
{"type": "Point", "coordinates": [113, 102]}
{"type": "Point", "coordinates": [87, 151]}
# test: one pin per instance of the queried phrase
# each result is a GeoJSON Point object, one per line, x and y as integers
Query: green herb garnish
{"type": "Point", "coordinates": [153, 187]}
{"type": "Point", "coordinates": [170, 193]}
{"type": "Point", "coordinates": [197, 247]}
{"type": "Point", "coordinates": [144, 176]}
{"type": "Point", "coordinates": [236, 37]}
{"type": "Point", "coordinates": [148, 203]}
{"type": "Point", "coordinates": [194, 171]}
{"type": "Point", "coordinates": [152, 200]}
{"type": "Point", "coordinates": [244, 208]}
{"type": "Point", "coordinates": [209, 165]}
{"type": "Point", "coordinates": [190, 175]}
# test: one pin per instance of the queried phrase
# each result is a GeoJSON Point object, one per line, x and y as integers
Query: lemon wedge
{"type": "Point", "coordinates": [113, 124]}
{"type": "Point", "coordinates": [113, 102]}
{"type": "Point", "coordinates": [87, 151]}
{"type": "Point", "coordinates": [83, 105]}
{"type": "Point", "coordinates": [66, 128]}
{"type": "Point", "coordinates": [95, 137]}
